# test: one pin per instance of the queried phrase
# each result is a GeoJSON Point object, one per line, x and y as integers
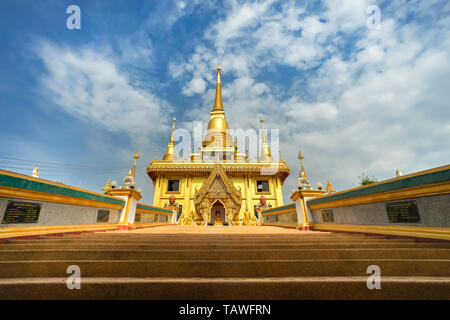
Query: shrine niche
{"type": "Point", "coordinates": [218, 188]}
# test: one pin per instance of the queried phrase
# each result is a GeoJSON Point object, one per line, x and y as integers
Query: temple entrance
{"type": "Point", "coordinates": [217, 195]}
{"type": "Point", "coordinates": [217, 214]}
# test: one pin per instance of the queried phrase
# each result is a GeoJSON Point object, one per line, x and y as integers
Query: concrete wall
{"type": "Point", "coordinates": [150, 217]}
{"type": "Point", "coordinates": [282, 218]}
{"type": "Point", "coordinates": [434, 211]}
{"type": "Point", "coordinates": [61, 214]}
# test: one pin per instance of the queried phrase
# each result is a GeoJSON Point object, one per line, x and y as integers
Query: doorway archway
{"type": "Point", "coordinates": [217, 209]}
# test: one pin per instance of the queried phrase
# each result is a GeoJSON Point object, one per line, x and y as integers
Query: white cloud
{"type": "Point", "coordinates": [196, 85]}
{"type": "Point", "coordinates": [374, 109]}
{"type": "Point", "coordinates": [87, 84]}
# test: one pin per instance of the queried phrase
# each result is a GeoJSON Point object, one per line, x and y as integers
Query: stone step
{"type": "Point", "coordinates": [210, 236]}
{"type": "Point", "coordinates": [229, 268]}
{"type": "Point", "coordinates": [223, 254]}
{"type": "Point", "coordinates": [286, 288]}
{"type": "Point", "coordinates": [200, 242]}
{"type": "Point", "coordinates": [38, 245]}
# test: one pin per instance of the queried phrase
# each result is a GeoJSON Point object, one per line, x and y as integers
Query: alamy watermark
{"type": "Point", "coordinates": [74, 20]}
{"type": "Point", "coordinates": [374, 281]}
{"type": "Point", "coordinates": [374, 19]}
{"type": "Point", "coordinates": [74, 280]}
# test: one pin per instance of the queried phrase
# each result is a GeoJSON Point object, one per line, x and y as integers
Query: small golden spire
{"type": "Point", "coordinates": [136, 156]}
{"type": "Point", "coordinates": [302, 178]}
{"type": "Point", "coordinates": [218, 104]}
{"type": "Point", "coordinates": [265, 150]}
{"type": "Point", "coordinates": [173, 127]}
{"type": "Point", "coordinates": [301, 157]}
{"type": "Point", "coordinates": [330, 188]}
{"type": "Point", "coordinates": [170, 152]}
{"type": "Point", "coordinates": [107, 186]}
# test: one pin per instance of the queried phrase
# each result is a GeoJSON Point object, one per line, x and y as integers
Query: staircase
{"type": "Point", "coordinates": [175, 262]}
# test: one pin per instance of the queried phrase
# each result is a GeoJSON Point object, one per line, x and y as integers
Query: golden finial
{"type": "Point", "coordinates": [265, 150]}
{"type": "Point", "coordinates": [398, 173]}
{"type": "Point", "coordinates": [301, 157]}
{"type": "Point", "coordinates": [170, 152]}
{"type": "Point", "coordinates": [35, 173]}
{"type": "Point", "coordinates": [218, 104]}
{"type": "Point", "coordinates": [330, 188]}
{"type": "Point", "coordinates": [302, 178]}
{"type": "Point", "coordinates": [107, 186]}
{"type": "Point", "coordinates": [173, 128]}
{"type": "Point", "coordinates": [136, 156]}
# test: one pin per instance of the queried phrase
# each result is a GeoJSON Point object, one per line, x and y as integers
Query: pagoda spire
{"type": "Point", "coordinates": [170, 152]}
{"type": "Point", "coordinates": [218, 104]}
{"type": "Point", "coordinates": [133, 172]}
{"type": "Point", "coordinates": [302, 181]}
{"type": "Point", "coordinates": [265, 150]}
{"type": "Point", "coordinates": [218, 135]}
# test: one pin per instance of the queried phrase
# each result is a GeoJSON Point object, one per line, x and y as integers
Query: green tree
{"type": "Point", "coordinates": [365, 179]}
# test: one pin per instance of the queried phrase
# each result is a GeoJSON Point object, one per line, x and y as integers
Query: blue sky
{"type": "Point", "coordinates": [355, 99]}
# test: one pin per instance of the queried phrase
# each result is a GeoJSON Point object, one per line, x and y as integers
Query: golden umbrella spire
{"type": "Point", "coordinates": [170, 152]}
{"type": "Point", "coordinates": [218, 135]}
{"type": "Point", "coordinates": [265, 150]}
{"type": "Point", "coordinates": [136, 156]}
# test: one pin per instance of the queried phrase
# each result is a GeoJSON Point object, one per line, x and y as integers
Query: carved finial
{"type": "Point", "coordinates": [133, 171]}
{"type": "Point", "coordinates": [170, 152]}
{"type": "Point", "coordinates": [329, 188]}
{"type": "Point", "coordinates": [35, 173]}
{"type": "Point", "coordinates": [265, 150]}
{"type": "Point", "coordinates": [107, 186]}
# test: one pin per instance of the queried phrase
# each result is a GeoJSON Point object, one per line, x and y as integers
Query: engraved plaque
{"type": "Point", "coordinates": [404, 211]}
{"type": "Point", "coordinates": [327, 215]}
{"type": "Point", "coordinates": [21, 212]}
{"type": "Point", "coordinates": [102, 215]}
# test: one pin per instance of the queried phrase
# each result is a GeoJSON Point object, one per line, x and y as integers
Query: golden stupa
{"type": "Point", "coordinates": [218, 184]}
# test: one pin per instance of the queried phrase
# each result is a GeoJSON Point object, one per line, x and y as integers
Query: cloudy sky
{"type": "Point", "coordinates": [355, 96]}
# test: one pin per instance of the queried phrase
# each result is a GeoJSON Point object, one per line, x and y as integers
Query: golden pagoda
{"type": "Point", "coordinates": [218, 184]}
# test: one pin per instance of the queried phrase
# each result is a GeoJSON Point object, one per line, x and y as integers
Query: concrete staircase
{"type": "Point", "coordinates": [174, 262]}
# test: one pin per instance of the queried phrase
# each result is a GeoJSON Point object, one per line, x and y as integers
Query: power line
{"type": "Point", "coordinates": [48, 164]}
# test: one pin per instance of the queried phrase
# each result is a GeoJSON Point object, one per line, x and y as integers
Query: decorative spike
{"type": "Point", "coordinates": [266, 156]}
{"type": "Point", "coordinates": [218, 104]}
{"type": "Point", "coordinates": [133, 172]}
{"type": "Point", "coordinates": [330, 188]}
{"type": "Point", "coordinates": [170, 152]}
{"type": "Point", "coordinates": [107, 186]}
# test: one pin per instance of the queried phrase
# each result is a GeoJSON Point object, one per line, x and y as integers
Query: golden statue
{"type": "Point", "coordinates": [218, 221]}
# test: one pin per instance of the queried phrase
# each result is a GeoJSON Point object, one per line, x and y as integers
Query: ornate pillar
{"type": "Point", "coordinates": [127, 215]}
{"type": "Point", "coordinates": [304, 217]}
